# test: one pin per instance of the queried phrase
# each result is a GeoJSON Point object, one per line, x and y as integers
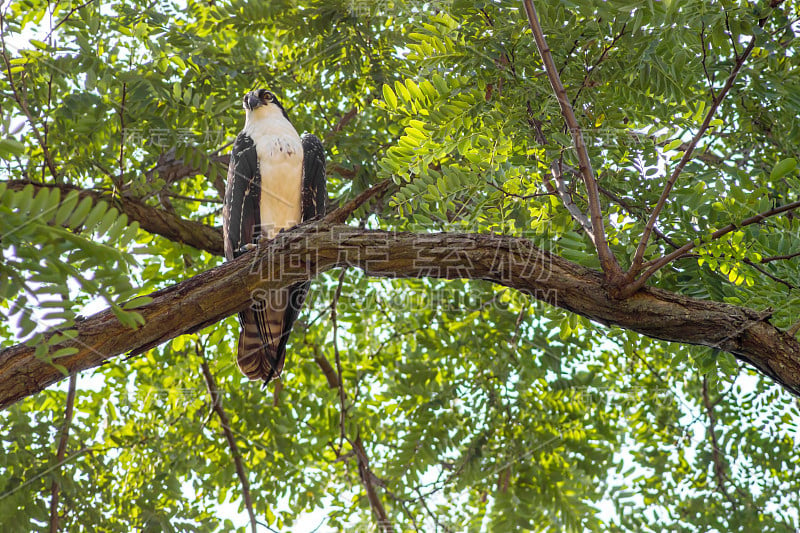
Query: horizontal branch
{"type": "Point", "coordinates": [170, 226]}
{"type": "Point", "coordinates": [150, 219]}
{"type": "Point", "coordinates": [312, 248]}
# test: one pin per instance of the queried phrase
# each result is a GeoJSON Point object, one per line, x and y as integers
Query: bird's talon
{"type": "Point", "coordinates": [244, 249]}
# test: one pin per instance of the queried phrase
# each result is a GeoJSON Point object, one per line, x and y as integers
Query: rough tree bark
{"type": "Point", "coordinates": [315, 247]}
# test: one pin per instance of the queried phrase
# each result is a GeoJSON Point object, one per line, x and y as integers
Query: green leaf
{"type": "Point", "coordinates": [109, 218]}
{"type": "Point", "coordinates": [137, 302]}
{"type": "Point", "coordinates": [389, 97]}
{"type": "Point", "coordinates": [11, 146]}
{"type": "Point", "coordinates": [673, 145]}
{"type": "Point", "coordinates": [64, 352]}
{"type": "Point", "coordinates": [80, 213]}
{"type": "Point", "coordinates": [66, 209]}
{"type": "Point", "coordinates": [783, 167]}
{"type": "Point", "coordinates": [95, 215]}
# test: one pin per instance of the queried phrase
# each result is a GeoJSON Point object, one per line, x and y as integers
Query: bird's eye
{"type": "Point", "coordinates": [268, 96]}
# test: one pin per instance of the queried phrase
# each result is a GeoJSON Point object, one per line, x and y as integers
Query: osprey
{"type": "Point", "coordinates": [276, 179]}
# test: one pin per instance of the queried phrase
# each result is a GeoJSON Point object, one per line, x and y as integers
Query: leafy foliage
{"type": "Point", "coordinates": [477, 408]}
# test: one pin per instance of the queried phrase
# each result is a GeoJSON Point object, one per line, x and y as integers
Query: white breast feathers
{"type": "Point", "coordinates": [280, 159]}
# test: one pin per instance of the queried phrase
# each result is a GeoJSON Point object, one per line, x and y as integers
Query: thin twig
{"type": "Point", "coordinates": [216, 405]}
{"type": "Point", "coordinates": [653, 266]}
{"type": "Point", "coordinates": [194, 199]}
{"type": "Point", "coordinates": [719, 466]}
{"type": "Point", "coordinates": [518, 196]}
{"type": "Point", "coordinates": [67, 16]}
{"type": "Point", "coordinates": [367, 477]}
{"type": "Point", "coordinates": [768, 274]}
{"type": "Point", "coordinates": [730, 34]}
{"type": "Point", "coordinates": [340, 382]}
{"type": "Point", "coordinates": [709, 79]}
{"type": "Point", "coordinates": [119, 180]}
{"type": "Point", "coordinates": [560, 189]}
{"type": "Point", "coordinates": [631, 211]}
{"type": "Point", "coordinates": [62, 449]}
{"type": "Point", "coordinates": [21, 101]}
{"type": "Point", "coordinates": [403, 503]}
{"type": "Point", "coordinates": [45, 125]}
{"type": "Point", "coordinates": [345, 120]}
{"type": "Point", "coordinates": [603, 56]}
{"type": "Point", "coordinates": [607, 260]}
{"type": "Point", "coordinates": [638, 258]}
{"type": "Point", "coordinates": [779, 257]}
{"type": "Point", "coordinates": [339, 215]}
{"type": "Point", "coordinates": [433, 516]}
{"type": "Point", "coordinates": [716, 454]}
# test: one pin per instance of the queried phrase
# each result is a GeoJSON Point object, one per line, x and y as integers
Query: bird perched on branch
{"type": "Point", "coordinates": [276, 179]}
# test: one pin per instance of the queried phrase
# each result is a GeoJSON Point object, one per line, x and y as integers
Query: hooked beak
{"type": "Point", "coordinates": [252, 101]}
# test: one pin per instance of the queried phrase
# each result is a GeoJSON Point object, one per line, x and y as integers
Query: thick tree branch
{"type": "Point", "coordinates": [151, 219]}
{"type": "Point", "coordinates": [607, 259]}
{"type": "Point", "coordinates": [327, 370]}
{"type": "Point", "coordinates": [172, 227]}
{"type": "Point", "coordinates": [312, 248]}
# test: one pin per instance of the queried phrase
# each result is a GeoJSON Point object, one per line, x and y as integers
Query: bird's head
{"type": "Point", "coordinates": [262, 102]}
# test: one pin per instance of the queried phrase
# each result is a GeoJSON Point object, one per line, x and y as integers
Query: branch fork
{"type": "Point", "coordinates": [621, 284]}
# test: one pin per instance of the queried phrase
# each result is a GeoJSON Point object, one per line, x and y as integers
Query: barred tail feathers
{"type": "Point", "coordinates": [260, 358]}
